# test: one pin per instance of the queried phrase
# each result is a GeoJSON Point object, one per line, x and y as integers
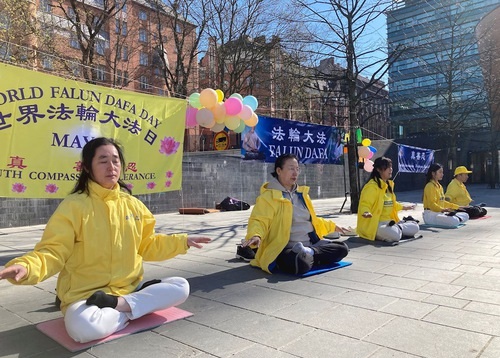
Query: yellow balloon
{"type": "Point", "coordinates": [208, 98]}
{"type": "Point", "coordinates": [219, 112]}
{"type": "Point", "coordinates": [220, 95]}
{"type": "Point", "coordinates": [252, 122]}
{"type": "Point", "coordinates": [366, 142]}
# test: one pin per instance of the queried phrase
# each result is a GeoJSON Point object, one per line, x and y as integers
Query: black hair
{"type": "Point", "coordinates": [88, 153]}
{"type": "Point", "coordinates": [280, 161]}
{"type": "Point", "coordinates": [432, 169]}
{"type": "Point", "coordinates": [381, 163]}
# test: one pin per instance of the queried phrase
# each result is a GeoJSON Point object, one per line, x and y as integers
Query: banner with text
{"type": "Point", "coordinates": [45, 121]}
{"type": "Point", "coordinates": [414, 159]}
{"type": "Point", "coordinates": [311, 143]}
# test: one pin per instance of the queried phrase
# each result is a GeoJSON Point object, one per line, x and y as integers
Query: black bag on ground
{"type": "Point", "coordinates": [232, 204]}
{"type": "Point", "coordinates": [474, 211]}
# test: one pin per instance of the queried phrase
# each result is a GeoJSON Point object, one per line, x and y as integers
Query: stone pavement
{"type": "Point", "coordinates": [435, 297]}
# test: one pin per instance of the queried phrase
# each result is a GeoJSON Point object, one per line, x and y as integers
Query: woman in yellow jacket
{"type": "Point", "coordinates": [97, 240]}
{"type": "Point", "coordinates": [285, 228]}
{"type": "Point", "coordinates": [437, 210]}
{"type": "Point", "coordinates": [378, 208]}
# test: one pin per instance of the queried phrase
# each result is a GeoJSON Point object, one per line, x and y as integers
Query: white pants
{"type": "Point", "coordinates": [395, 232]}
{"type": "Point", "coordinates": [440, 219]}
{"type": "Point", "coordinates": [86, 323]}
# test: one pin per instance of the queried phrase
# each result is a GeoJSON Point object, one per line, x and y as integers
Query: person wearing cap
{"type": "Point", "coordinates": [457, 193]}
{"type": "Point", "coordinates": [437, 210]}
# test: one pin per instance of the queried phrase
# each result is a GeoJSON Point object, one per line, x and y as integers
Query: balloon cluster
{"type": "Point", "coordinates": [366, 151]}
{"type": "Point", "coordinates": [208, 109]}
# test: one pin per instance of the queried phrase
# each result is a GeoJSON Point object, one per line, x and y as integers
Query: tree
{"type": "Point", "coordinates": [449, 96]}
{"type": "Point", "coordinates": [339, 29]}
{"type": "Point", "coordinates": [176, 40]}
{"type": "Point", "coordinates": [236, 37]}
{"type": "Point", "coordinates": [489, 51]}
{"type": "Point", "coordinates": [88, 22]}
{"type": "Point", "coordinates": [21, 34]}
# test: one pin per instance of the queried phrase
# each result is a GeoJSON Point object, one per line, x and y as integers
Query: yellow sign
{"type": "Point", "coordinates": [221, 141]}
{"type": "Point", "coordinates": [45, 121]}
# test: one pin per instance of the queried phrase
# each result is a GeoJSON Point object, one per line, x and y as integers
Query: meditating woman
{"type": "Point", "coordinates": [437, 210]}
{"type": "Point", "coordinates": [285, 228]}
{"type": "Point", "coordinates": [378, 208]}
{"type": "Point", "coordinates": [97, 240]}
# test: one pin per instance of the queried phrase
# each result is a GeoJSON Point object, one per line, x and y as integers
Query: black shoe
{"type": "Point", "coordinates": [410, 218]}
{"type": "Point", "coordinates": [391, 223]}
{"type": "Point", "coordinates": [245, 253]}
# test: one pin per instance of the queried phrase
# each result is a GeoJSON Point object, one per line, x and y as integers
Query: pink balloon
{"type": "Point", "coordinates": [370, 155]}
{"type": "Point", "coordinates": [191, 116]}
{"type": "Point", "coordinates": [368, 166]}
{"type": "Point", "coordinates": [233, 106]}
{"type": "Point", "coordinates": [246, 112]}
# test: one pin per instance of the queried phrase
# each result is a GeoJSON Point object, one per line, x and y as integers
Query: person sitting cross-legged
{"type": "Point", "coordinates": [378, 208]}
{"type": "Point", "coordinates": [457, 193]}
{"type": "Point", "coordinates": [285, 228]}
{"type": "Point", "coordinates": [437, 210]}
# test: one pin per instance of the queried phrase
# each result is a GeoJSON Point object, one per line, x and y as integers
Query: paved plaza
{"type": "Point", "coordinates": [436, 297]}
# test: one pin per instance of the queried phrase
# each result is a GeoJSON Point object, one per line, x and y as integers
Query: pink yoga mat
{"type": "Point", "coordinates": [55, 328]}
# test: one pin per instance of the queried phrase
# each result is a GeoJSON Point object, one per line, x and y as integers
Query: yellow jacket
{"type": "Point", "coordinates": [271, 220]}
{"type": "Point", "coordinates": [457, 193]}
{"type": "Point", "coordinates": [372, 200]}
{"type": "Point", "coordinates": [434, 199]}
{"type": "Point", "coordinates": [98, 242]}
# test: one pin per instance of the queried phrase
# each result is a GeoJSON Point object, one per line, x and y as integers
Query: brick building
{"type": "Point", "coordinates": [130, 41]}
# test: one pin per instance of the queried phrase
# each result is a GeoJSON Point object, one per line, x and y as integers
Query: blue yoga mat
{"type": "Point", "coordinates": [320, 269]}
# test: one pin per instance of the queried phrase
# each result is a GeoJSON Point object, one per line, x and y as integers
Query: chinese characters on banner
{"type": "Point", "coordinates": [45, 121]}
{"type": "Point", "coordinates": [414, 159]}
{"type": "Point", "coordinates": [311, 143]}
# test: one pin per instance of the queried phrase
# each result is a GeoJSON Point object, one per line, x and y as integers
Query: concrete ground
{"type": "Point", "coordinates": [435, 297]}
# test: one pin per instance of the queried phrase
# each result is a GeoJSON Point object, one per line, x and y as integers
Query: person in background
{"type": "Point", "coordinates": [285, 228]}
{"type": "Point", "coordinates": [437, 210]}
{"type": "Point", "coordinates": [457, 193]}
{"type": "Point", "coordinates": [251, 145]}
{"type": "Point", "coordinates": [97, 240]}
{"type": "Point", "coordinates": [378, 208]}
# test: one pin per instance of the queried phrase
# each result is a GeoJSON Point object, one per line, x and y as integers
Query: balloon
{"type": "Point", "coordinates": [370, 155]}
{"type": "Point", "coordinates": [368, 166]}
{"type": "Point", "coordinates": [220, 95]}
{"type": "Point", "coordinates": [194, 100]}
{"type": "Point", "coordinates": [252, 122]}
{"type": "Point", "coordinates": [251, 101]}
{"type": "Point", "coordinates": [219, 112]}
{"type": "Point", "coordinates": [218, 127]}
{"type": "Point", "coordinates": [232, 122]}
{"type": "Point", "coordinates": [233, 106]}
{"type": "Point", "coordinates": [191, 116]}
{"type": "Point", "coordinates": [246, 112]}
{"type": "Point", "coordinates": [359, 135]}
{"type": "Point", "coordinates": [240, 128]}
{"type": "Point", "coordinates": [205, 118]}
{"type": "Point", "coordinates": [236, 95]}
{"type": "Point", "coordinates": [366, 142]}
{"type": "Point", "coordinates": [208, 98]}
{"type": "Point", "coordinates": [372, 149]}
{"type": "Point", "coordinates": [363, 152]}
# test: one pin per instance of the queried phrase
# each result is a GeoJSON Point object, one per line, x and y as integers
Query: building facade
{"type": "Point", "coordinates": [126, 44]}
{"type": "Point", "coordinates": [436, 84]}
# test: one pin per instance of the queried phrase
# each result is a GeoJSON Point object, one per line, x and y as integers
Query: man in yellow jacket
{"type": "Point", "coordinates": [457, 193]}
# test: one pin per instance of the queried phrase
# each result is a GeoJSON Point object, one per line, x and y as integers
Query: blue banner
{"type": "Point", "coordinates": [414, 159]}
{"type": "Point", "coordinates": [311, 143]}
